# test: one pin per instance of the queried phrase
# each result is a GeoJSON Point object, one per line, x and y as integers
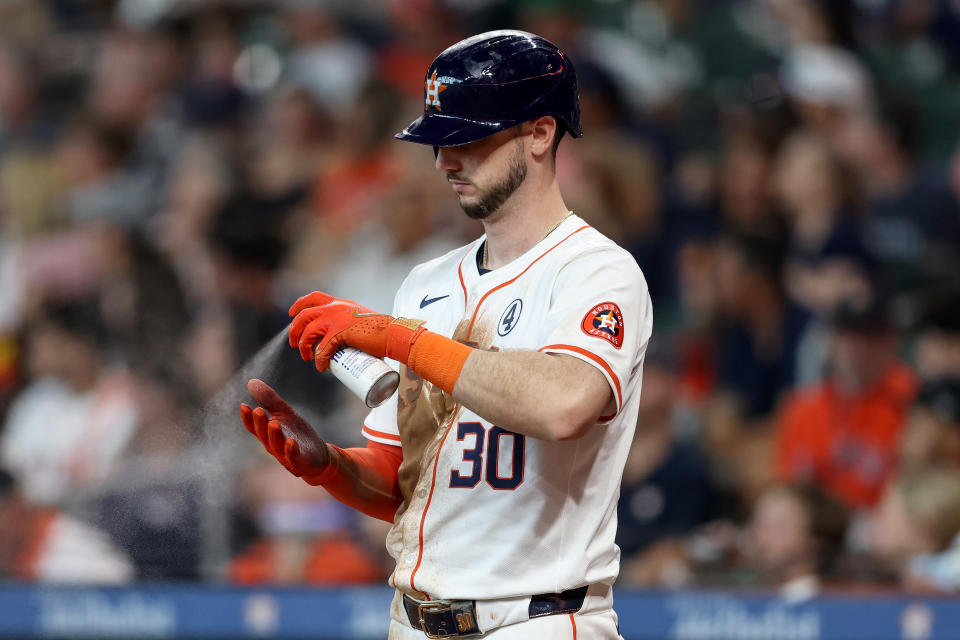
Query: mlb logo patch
{"type": "Point", "coordinates": [604, 321]}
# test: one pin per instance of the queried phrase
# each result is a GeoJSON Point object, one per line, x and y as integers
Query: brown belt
{"type": "Point", "coordinates": [458, 618]}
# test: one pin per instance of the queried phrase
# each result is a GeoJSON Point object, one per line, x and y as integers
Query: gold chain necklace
{"type": "Point", "coordinates": [483, 259]}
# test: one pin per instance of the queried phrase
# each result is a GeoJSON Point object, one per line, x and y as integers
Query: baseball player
{"type": "Point", "coordinates": [499, 458]}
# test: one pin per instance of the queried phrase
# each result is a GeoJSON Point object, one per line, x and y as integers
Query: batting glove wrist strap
{"type": "Point", "coordinates": [402, 333]}
{"type": "Point", "coordinates": [438, 359]}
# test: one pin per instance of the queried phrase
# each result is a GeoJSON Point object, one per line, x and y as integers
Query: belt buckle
{"type": "Point", "coordinates": [433, 607]}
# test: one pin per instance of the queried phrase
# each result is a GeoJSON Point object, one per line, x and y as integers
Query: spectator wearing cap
{"type": "Point", "coordinates": [936, 351]}
{"type": "Point", "coordinates": [844, 433]}
{"type": "Point", "coordinates": [248, 250]}
{"type": "Point", "coordinates": [932, 434]}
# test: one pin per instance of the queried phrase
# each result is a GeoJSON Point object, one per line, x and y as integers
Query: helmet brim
{"type": "Point", "coordinates": [439, 130]}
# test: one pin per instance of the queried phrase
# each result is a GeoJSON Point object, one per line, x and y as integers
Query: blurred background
{"type": "Point", "coordinates": [174, 173]}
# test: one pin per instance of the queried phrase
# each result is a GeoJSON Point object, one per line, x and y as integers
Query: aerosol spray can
{"type": "Point", "coordinates": [371, 379]}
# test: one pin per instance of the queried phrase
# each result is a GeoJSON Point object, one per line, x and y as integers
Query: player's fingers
{"type": "Point", "coordinates": [325, 350]}
{"type": "Point", "coordinates": [291, 451]}
{"type": "Point", "coordinates": [314, 299]}
{"type": "Point", "coordinates": [268, 398]}
{"type": "Point", "coordinates": [296, 461]}
{"type": "Point", "coordinates": [313, 333]}
{"type": "Point", "coordinates": [260, 420]}
{"type": "Point", "coordinates": [275, 437]}
{"type": "Point", "coordinates": [300, 323]}
{"type": "Point", "coordinates": [296, 458]}
{"type": "Point", "coordinates": [246, 416]}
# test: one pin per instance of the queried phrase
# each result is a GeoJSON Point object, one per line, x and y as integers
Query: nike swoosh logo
{"type": "Point", "coordinates": [425, 301]}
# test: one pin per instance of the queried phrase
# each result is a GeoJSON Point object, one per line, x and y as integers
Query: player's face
{"type": "Point", "coordinates": [485, 173]}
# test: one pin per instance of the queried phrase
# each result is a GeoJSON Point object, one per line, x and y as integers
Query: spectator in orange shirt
{"type": "Point", "coordinates": [844, 434]}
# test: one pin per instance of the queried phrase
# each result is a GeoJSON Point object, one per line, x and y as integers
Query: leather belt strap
{"type": "Point", "coordinates": [548, 604]}
{"type": "Point", "coordinates": [442, 618]}
{"type": "Point", "coordinates": [458, 618]}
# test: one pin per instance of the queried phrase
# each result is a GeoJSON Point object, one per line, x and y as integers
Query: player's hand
{"type": "Point", "coordinates": [283, 433]}
{"type": "Point", "coordinates": [323, 324]}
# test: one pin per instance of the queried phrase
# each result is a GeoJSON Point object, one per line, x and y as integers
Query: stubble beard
{"type": "Point", "coordinates": [490, 202]}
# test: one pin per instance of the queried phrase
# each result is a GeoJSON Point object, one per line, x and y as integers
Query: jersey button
{"type": "Point", "coordinates": [422, 494]}
{"type": "Point", "coordinates": [411, 557]}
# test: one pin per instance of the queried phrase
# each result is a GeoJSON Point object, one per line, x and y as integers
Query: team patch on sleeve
{"type": "Point", "coordinates": [604, 321]}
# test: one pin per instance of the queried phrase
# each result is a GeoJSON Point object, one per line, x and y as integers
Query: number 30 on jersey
{"type": "Point", "coordinates": [504, 457]}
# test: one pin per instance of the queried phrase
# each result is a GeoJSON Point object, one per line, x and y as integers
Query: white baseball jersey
{"type": "Point", "coordinates": [488, 513]}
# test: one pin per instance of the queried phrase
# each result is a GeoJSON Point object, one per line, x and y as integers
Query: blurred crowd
{"type": "Point", "coordinates": [174, 173]}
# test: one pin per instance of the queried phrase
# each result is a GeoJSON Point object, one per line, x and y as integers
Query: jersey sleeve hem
{"type": "Point", "coordinates": [380, 436]}
{"type": "Point", "coordinates": [591, 358]}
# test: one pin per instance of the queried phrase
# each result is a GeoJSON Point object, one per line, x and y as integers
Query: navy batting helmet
{"type": "Point", "coordinates": [491, 82]}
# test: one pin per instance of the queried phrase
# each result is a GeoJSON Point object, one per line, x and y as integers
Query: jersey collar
{"type": "Point", "coordinates": [470, 274]}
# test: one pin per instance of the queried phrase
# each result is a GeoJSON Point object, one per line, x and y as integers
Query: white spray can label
{"type": "Point", "coordinates": [371, 379]}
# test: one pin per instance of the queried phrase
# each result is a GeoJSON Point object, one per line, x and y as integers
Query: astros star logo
{"type": "Point", "coordinates": [434, 89]}
{"type": "Point", "coordinates": [608, 323]}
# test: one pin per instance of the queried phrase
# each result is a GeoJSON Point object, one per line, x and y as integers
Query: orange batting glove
{"type": "Point", "coordinates": [322, 325]}
{"type": "Point", "coordinates": [284, 434]}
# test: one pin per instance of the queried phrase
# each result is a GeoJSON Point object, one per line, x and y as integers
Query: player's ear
{"type": "Point", "coordinates": [542, 131]}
